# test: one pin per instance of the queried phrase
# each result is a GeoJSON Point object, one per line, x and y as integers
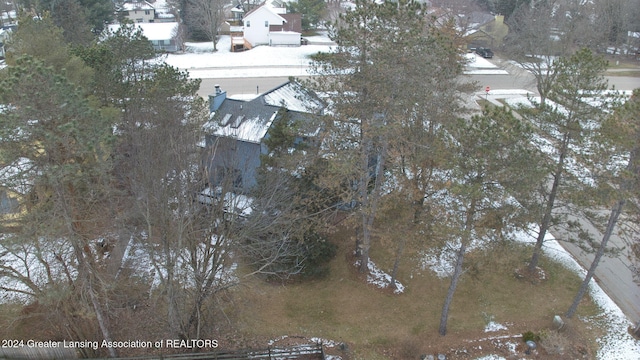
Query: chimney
{"type": "Point", "coordinates": [216, 99]}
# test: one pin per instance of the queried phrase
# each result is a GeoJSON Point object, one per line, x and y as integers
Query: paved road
{"type": "Point", "coordinates": [241, 86]}
{"type": "Point", "coordinates": [517, 79]}
{"type": "Point", "coordinates": [614, 273]}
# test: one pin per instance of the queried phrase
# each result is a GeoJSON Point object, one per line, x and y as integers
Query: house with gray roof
{"type": "Point", "coordinates": [237, 130]}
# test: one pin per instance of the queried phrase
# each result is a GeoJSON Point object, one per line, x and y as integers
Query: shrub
{"type": "Point", "coordinates": [530, 336]}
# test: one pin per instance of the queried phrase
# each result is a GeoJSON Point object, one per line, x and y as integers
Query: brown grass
{"type": "Point", "coordinates": [379, 325]}
{"type": "Point", "coordinates": [374, 323]}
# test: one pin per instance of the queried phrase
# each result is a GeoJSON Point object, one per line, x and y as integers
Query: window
{"type": "Point", "coordinates": [266, 23]}
{"type": "Point", "coordinates": [248, 24]}
{"type": "Point", "coordinates": [147, 12]}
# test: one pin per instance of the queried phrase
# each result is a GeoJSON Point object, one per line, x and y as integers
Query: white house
{"type": "Point", "coordinates": [5, 32]}
{"type": "Point", "coordinates": [266, 25]}
{"type": "Point", "coordinates": [138, 11]}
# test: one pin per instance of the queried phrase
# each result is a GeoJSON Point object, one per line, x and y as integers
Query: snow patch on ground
{"type": "Point", "coordinates": [617, 343]}
{"type": "Point", "coordinates": [380, 278]}
{"type": "Point", "coordinates": [303, 341]}
{"type": "Point", "coordinates": [267, 61]}
{"type": "Point", "coordinates": [494, 326]}
{"type": "Point", "coordinates": [442, 260]}
{"type": "Point", "coordinates": [491, 357]}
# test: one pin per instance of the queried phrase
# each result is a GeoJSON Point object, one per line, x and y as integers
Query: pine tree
{"type": "Point", "coordinates": [380, 47]}
{"type": "Point", "coordinates": [491, 164]}
{"type": "Point", "coordinates": [567, 120]}
{"type": "Point", "coordinates": [66, 143]}
{"type": "Point", "coordinates": [615, 163]}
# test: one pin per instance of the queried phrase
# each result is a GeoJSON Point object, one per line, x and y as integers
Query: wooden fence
{"type": "Point", "coordinates": [299, 352]}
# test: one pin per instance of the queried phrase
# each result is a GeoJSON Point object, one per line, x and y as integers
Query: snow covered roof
{"type": "Point", "coordinates": [268, 11]}
{"type": "Point", "coordinates": [153, 31]}
{"type": "Point", "coordinates": [250, 120]}
{"type": "Point", "coordinates": [250, 129]}
{"type": "Point", "coordinates": [136, 5]}
{"type": "Point", "coordinates": [294, 97]}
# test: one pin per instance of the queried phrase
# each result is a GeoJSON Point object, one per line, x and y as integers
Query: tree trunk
{"type": "Point", "coordinates": [370, 204]}
{"type": "Point", "coordinates": [396, 263]}
{"type": "Point", "coordinates": [613, 219]}
{"type": "Point", "coordinates": [458, 269]}
{"type": "Point", "coordinates": [364, 244]}
{"type": "Point", "coordinates": [102, 321]}
{"type": "Point", "coordinates": [452, 288]}
{"type": "Point", "coordinates": [84, 257]}
{"type": "Point", "coordinates": [546, 220]}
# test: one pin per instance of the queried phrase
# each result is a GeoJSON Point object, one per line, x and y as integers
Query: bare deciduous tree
{"type": "Point", "coordinates": [207, 16]}
{"type": "Point", "coordinates": [534, 43]}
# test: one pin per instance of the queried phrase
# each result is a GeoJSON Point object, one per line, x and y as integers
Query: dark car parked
{"type": "Point", "coordinates": [484, 52]}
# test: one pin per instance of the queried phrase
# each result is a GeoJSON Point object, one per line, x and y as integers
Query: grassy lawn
{"type": "Point", "coordinates": [376, 324]}
{"type": "Point", "coordinates": [623, 66]}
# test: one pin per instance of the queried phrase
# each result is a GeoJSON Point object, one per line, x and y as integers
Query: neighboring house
{"type": "Point", "coordinates": [486, 30]}
{"type": "Point", "coordinates": [237, 13]}
{"type": "Point", "coordinates": [237, 39]}
{"type": "Point", "coordinates": [138, 11]}
{"type": "Point", "coordinates": [235, 136]}
{"type": "Point", "coordinates": [163, 36]}
{"type": "Point", "coordinates": [267, 25]}
{"type": "Point", "coordinates": [5, 32]}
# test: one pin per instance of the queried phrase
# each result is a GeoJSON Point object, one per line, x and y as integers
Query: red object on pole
{"type": "Point", "coordinates": [487, 89]}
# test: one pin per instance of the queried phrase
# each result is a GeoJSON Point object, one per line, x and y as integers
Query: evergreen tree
{"type": "Point", "coordinates": [92, 14]}
{"type": "Point", "coordinates": [121, 63]}
{"type": "Point", "coordinates": [71, 17]}
{"type": "Point", "coordinates": [290, 212]}
{"type": "Point", "coordinates": [312, 12]}
{"type": "Point", "coordinates": [567, 121]}
{"type": "Point", "coordinates": [491, 163]}
{"type": "Point", "coordinates": [366, 79]}
{"type": "Point", "coordinates": [430, 104]}
{"type": "Point", "coordinates": [42, 39]}
{"type": "Point", "coordinates": [615, 163]}
{"type": "Point", "coordinates": [66, 144]}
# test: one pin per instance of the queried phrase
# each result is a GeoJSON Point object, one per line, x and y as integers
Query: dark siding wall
{"type": "Point", "coordinates": [226, 156]}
